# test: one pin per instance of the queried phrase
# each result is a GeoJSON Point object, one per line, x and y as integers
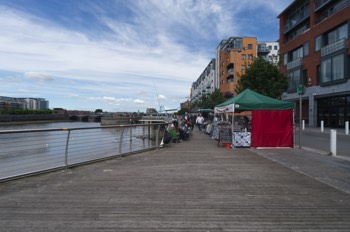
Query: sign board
{"type": "Point", "coordinates": [225, 135]}
{"type": "Point", "coordinates": [301, 89]}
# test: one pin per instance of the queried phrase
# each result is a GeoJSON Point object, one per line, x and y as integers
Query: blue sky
{"type": "Point", "coordinates": [120, 55]}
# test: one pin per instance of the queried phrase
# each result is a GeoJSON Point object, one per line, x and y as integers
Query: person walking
{"type": "Point", "coordinates": [199, 122]}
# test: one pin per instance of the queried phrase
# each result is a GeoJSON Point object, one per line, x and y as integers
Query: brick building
{"type": "Point", "coordinates": [314, 45]}
{"type": "Point", "coordinates": [233, 55]}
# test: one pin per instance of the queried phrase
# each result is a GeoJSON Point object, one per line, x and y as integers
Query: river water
{"type": "Point", "coordinates": [23, 153]}
{"type": "Point", "coordinates": [48, 125]}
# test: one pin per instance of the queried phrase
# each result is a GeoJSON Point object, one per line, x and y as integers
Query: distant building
{"type": "Point", "coordinates": [35, 103]}
{"type": "Point", "coordinates": [205, 84]}
{"type": "Point", "coordinates": [269, 51]}
{"type": "Point", "coordinates": [11, 103]}
{"type": "Point", "coordinates": [23, 103]}
{"type": "Point", "coordinates": [314, 44]}
{"type": "Point", "coordinates": [233, 56]}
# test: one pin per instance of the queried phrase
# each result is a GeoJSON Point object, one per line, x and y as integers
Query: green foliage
{"type": "Point", "coordinates": [210, 101]}
{"type": "Point", "coordinates": [182, 111]}
{"type": "Point", "coordinates": [264, 78]}
{"type": "Point", "coordinates": [98, 111]}
{"type": "Point", "coordinates": [25, 111]}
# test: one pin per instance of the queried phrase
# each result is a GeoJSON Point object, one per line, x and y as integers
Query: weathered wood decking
{"type": "Point", "coordinates": [191, 186]}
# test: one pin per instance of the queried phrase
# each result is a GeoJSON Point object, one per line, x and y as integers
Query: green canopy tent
{"type": "Point", "coordinates": [251, 100]}
{"type": "Point", "coordinates": [248, 100]}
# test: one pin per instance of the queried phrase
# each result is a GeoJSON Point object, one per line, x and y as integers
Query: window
{"type": "Point", "coordinates": [318, 43]}
{"type": "Point", "coordinates": [332, 69]}
{"type": "Point", "coordinates": [275, 47]}
{"type": "Point", "coordinates": [285, 59]}
{"type": "Point", "coordinates": [296, 54]}
{"type": "Point", "coordinates": [243, 56]}
{"type": "Point", "coordinates": [338, 67]}
{"type": "Point", "coordinates": [306, 49]}
{"type": "Point", "coordinates": [250, 56]}
{"type": "Point", "coordinates": [294, 80]}
{"type": "Point", "coordinates": [243, 67]}
{"type": "Point", "coordinates": [337, 34]}
{"type": "Point", "coordinates": [250, 46]}
{"type": "Point", "coordinates": [270, 47]}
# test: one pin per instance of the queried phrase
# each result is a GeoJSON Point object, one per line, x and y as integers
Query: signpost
{"type": "Point", "coordinates": [300, 91]}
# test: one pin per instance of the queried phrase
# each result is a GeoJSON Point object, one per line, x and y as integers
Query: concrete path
{"type": "Point", "coordinates": [191, 186]}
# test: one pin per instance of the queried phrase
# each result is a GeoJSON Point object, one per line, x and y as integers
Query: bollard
{"type": "Point", "coordinates": [303, 124]}
{"type": "Point", "coordinates": [322, 126]}
{"type": "Point", "coordinates": [333, 142]}
{"type": "Point", "coordinates": [347, 127]}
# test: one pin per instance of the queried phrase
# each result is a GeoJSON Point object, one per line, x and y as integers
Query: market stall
{"type": "Point", "coordinates": [271, 120]}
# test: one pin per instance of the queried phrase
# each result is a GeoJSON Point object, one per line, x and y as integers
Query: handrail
{"type": "Point", "coordinates": [30, 151]}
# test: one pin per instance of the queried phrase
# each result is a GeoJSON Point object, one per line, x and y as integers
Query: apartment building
{"type": "Point", "coordinates": [23, 103]}
{"type": "Point", "coordinates": [269, 51]}
{"type": "Point", "coordinates": [233, 55]}
{"type": "Point", "coordinates": [314, 44]}
{"type": "Point", "coordinates": [205, 84]}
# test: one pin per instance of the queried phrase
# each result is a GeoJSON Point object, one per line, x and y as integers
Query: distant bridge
{"type": "Point", "coordinates": [86, 118]}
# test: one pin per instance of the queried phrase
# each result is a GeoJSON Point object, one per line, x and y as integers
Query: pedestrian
{"type": "Point", "coordinates": [199, 122]}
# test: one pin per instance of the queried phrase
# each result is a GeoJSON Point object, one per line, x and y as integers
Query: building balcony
{"type": "Point", "coordinates": [294, 64]}
{"type": "Point", "coordinates": [263, 50]}
{"type": "Point", "coordinates": [298, 19]}
{"type": "Point", "coordinates": [319, 4]}
{"type": "Point", "coordinates": [336, 46]}
{"type": "Point", "coordinates": [332, 10]}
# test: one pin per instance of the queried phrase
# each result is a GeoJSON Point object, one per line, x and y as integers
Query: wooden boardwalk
{"type": "Point", "coordinates": [191, 186]}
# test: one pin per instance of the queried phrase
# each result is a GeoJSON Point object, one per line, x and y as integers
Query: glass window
{"type": "Point", "coordinates": [337, 34]}
{"type": "Point", "coordinates": [270, 47]}
{"type": "Point", "coordinates": [332, 69]}
{"type": "Point", "coordinates": [297, 53]}
{"type": "Point", "coordinates": [243, 56]}
{"type": "Point", "coordinates": [318, 43]}
{"type": "Point", "coordinates": [275, 47]}
{"type": "Point", "coordinates": [326, 67]}
{"type": "Point", "coordinates": [250, 46]}
{"type": "Point", "coordinates": [243, 67]}
{"type": "Point", "coordinates": [250, 56]}
{"type": "Point", "coordinates": [343, 31]}
{"type": "Point", "coordinates": [306, 48]}
{"type": "Point", "coordinates": [294, 79]}
{"type": "Point", "coordinates": [338, 67]}
{"type": "Point", "coordinates": [285, 59]}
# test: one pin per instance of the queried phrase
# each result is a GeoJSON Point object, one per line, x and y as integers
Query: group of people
{"type": "Point", "coordinates": [180, 129]}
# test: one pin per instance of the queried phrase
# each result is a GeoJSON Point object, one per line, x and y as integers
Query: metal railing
{"type": "Point", "coordinates": [28, 152]}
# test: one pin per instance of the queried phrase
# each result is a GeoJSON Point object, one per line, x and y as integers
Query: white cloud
{"type": "Point", "coordinates": [138, 101]}
{"type": "Point", "coordinates": [161, 97]}
{"type": "Point", "coordinates": [39, 76]}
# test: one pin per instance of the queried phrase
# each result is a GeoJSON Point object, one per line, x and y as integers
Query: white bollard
{"type": "Point", "coordinates": [322, 126]}
{"type": "Point", "coordinates": [347, 127]}
{"type": "Point", "coordinates": [333, 144]}
{"type": "Point", "coordinates": [303, 124]}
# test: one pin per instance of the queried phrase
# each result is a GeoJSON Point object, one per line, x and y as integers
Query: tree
{"type": "Point", "coordinates": [264, 78]}
{"type": "Point", "coordinates": [210, 101]}
{"type": "Point", "coordinates": [98, 111]}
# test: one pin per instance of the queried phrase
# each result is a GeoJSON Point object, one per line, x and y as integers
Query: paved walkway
{"type": "Point", "coordinates": [191, 186]}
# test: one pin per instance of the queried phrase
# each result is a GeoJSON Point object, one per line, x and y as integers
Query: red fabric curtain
{"type": "Point", "coordinates": [272, 128]}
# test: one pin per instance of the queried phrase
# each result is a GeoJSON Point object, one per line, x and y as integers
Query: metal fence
{"type": "Point", "coordinates": [27, 152]}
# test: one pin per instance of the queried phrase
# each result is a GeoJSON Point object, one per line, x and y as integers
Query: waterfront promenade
{"type": "Point", "coordinates": [191, 186]}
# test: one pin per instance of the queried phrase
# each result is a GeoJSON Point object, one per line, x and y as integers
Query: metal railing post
{"type": "Point", "coordinates": [66, 150]}
{"type": "Point", "coordinates": [121, 142]}
{"type": "Point", "coordinates": [157, 136]}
